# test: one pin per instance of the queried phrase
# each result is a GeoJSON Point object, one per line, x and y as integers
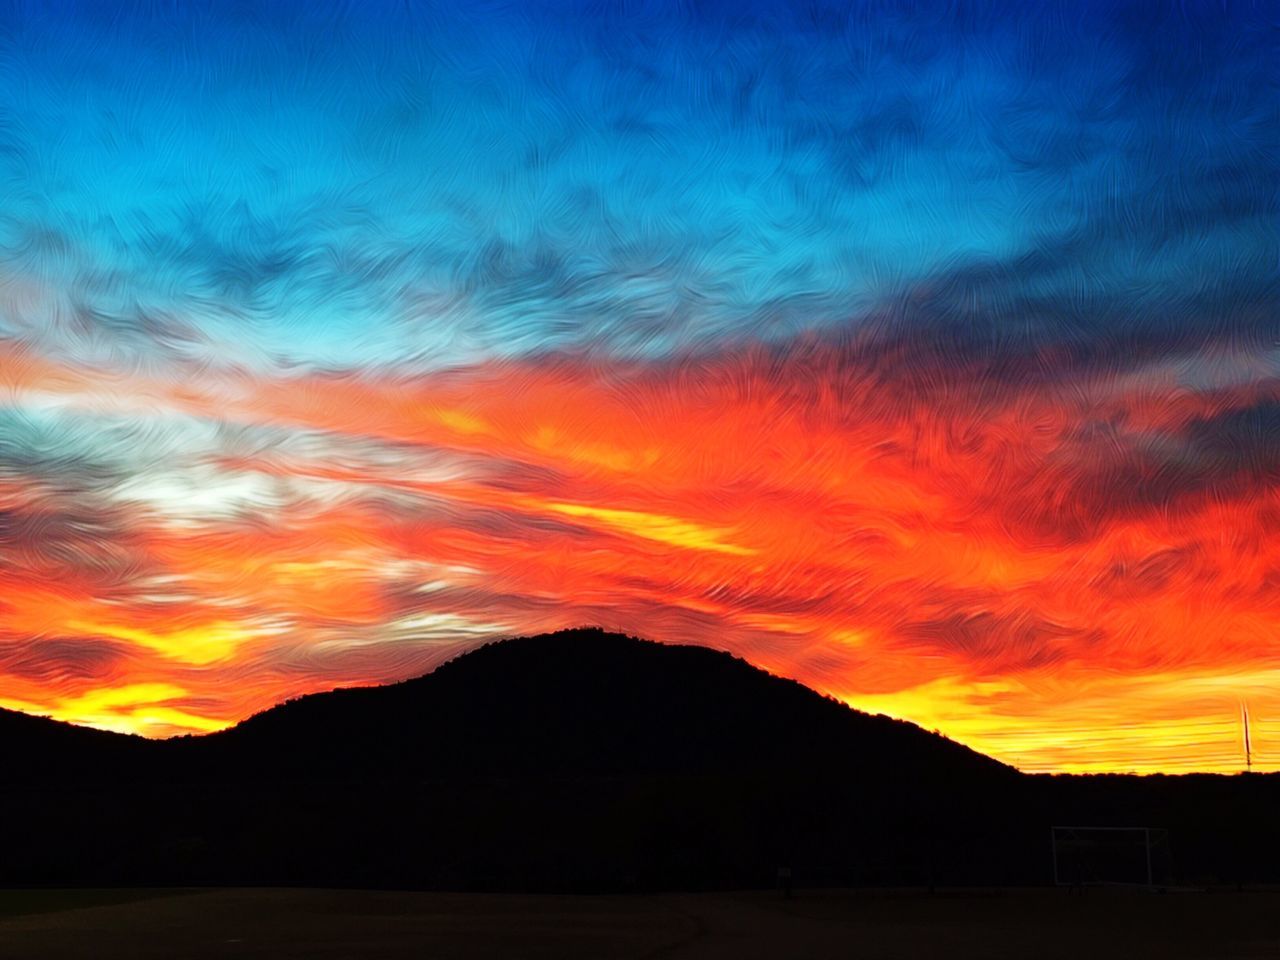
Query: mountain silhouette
{"type": "Point", "coordinates": [585, 702]}
{"type": "Point", "coordinates": [576, 761]}
{"type": "Point", "coordinates": [41, 750]}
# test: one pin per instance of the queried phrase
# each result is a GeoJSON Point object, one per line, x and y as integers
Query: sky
{"type": "Point", "coordinates": [926, 353]}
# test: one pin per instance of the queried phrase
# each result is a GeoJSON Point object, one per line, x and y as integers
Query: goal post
{"type": "Point", "coordinates": [1111, 855]}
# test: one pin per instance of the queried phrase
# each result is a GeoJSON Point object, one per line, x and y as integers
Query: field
{"type": "Point", "coordinates": [108, 924]}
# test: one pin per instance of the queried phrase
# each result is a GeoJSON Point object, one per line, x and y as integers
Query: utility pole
{"type": "Point", "coordinates": [1243, 792]}
{"type": "Point", "coordinates": [1248, 744]}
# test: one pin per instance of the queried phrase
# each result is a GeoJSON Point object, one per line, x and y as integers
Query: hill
{"type": "Point", "coordinates": [584, 703]}
{"type": "Point", "coordinates": [577, 761]}
{"type": "Point", "coordinates": [41, 750]}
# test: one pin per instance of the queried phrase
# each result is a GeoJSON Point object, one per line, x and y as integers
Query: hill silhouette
{"type": "Point", "coordinates": [585, 702]}
{"type": "Point", "coordinates": [38, 749]}
{"type": "Point", "coordinates": [581, 761]}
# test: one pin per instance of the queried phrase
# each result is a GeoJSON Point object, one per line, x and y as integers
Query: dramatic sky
{"type": "Point", "coordinates": [928, 356]}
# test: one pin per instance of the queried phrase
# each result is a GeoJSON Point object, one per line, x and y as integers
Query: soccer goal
{"type": "Point", "coordinates": [1097, 856]}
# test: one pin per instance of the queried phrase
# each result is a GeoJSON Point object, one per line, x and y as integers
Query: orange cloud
{"type": "Point", "coordinates": [1067, 575]}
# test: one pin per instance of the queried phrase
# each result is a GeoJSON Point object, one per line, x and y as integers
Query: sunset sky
{"type": "Point", "coordinates": [931, 358]}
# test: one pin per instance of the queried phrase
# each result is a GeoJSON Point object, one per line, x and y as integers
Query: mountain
{"type": "Point", "coordinates": [43, 750]}
{"type": "Point", "coordinates": [576, 761]}
{"type": "Point", "coordinates": [584, 702]}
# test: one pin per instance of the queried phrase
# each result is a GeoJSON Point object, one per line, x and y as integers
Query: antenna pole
{"type": "Point", "coordinates": [1248, 743]}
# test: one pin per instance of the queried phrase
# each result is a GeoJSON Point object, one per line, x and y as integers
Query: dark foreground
{"type": "Point", "coordinates": [585, 762]}
{"type": "Point", "coordinates": [43, 925]}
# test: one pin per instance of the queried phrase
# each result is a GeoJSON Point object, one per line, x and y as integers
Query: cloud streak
{"type": "Point", "coordinates": [803, 507]}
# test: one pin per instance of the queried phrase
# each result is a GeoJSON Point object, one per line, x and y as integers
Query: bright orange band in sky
{"type": "Point", "coordinates": [1042, 571]}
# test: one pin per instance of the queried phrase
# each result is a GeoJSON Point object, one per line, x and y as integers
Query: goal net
{"type": "Point", "coordinates": [1093, 856]}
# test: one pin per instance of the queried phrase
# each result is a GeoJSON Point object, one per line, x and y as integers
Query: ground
{"type": "Point", "coordinates": [284, 923]}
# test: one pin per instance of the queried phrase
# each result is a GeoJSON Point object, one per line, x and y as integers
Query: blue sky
{"type": "Point", "coordinates": [431, 186]}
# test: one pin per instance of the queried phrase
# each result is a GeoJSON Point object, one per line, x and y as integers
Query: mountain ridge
{"type": "Point", "coordinates": [560, 648]}
{"type": "Point", "coordinates": [587, 701]}
{"type": "Point", "coordinates": [576, 761]}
